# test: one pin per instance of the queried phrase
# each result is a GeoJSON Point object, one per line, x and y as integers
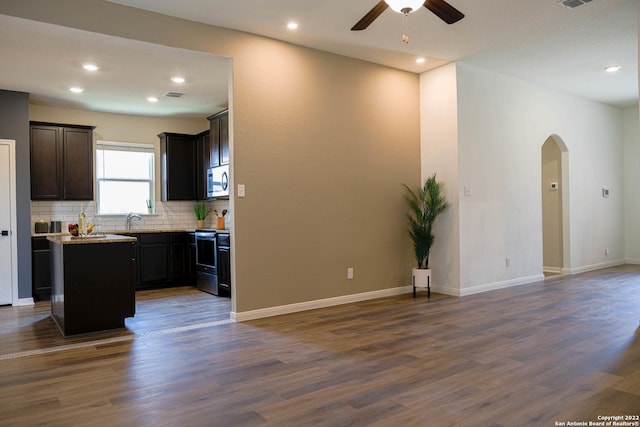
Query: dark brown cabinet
{"type": "Point", "coordinates": [185, 159]}
{"type": "Point", "coordinates": [203, 146]}
{"type": "Point", "coordinates": [61, 161]}
{"type": "Point", "coordinates": [178, 160]}
{"type": "Point", "coordinates": [152, 259]}
{"type": "Point", "coordinates": [224, 263]}
{"type": "Point", "coordinates": [163, 259]}
{"type": "Point", "coordinates": [219, 130]}
{"type": "Point", "coordinates": [178, 256]}
{"type": "Point", "coordinates": [41, 268]}
{"type": "Point", "coordinates": [191, 261]}
{"type": "Point", "coordinates": [89, 299]}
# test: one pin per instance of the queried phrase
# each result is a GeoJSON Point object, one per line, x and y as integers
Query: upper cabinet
{"type": "Point", "coordinates": [61, 161]}
{"type": "Point", "coordinates": [203, 146]}
{"type": "Point", "coordinates": [219, 126]}
{"type": "Point", "coordinates": [178, 159]}
{"type": "Point", "coordinates": [186, 159]}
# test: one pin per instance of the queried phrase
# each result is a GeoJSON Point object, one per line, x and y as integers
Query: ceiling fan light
{"type": "Point", "coordinates": [400, 5]}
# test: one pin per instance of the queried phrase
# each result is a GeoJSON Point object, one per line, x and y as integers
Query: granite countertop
{"type": "Point", "coordinates": [129, 232]}
{"type": "Point", "coordinates": [103, 238]}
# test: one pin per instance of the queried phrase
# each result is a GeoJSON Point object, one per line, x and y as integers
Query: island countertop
{"type": "Point", "coordinates": [74, 240]}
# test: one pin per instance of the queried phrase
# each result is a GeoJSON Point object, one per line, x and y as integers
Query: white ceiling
{"type": "Point", "coordinates": [538, 41]}
{"type": "Point", "coordinates": [46, 60]}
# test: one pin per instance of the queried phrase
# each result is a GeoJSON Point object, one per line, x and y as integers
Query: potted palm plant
{"type": "Point", "coordinates": [424, 204]}
{"type": "Point", "coordinates": [201, 213]}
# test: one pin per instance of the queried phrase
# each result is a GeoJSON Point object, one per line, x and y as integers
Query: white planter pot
{"type": "Point", "coordinates": [421, 278]}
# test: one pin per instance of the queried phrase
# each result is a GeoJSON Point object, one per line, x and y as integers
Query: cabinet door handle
{"type": "Point", "coordinates": [4, 232]}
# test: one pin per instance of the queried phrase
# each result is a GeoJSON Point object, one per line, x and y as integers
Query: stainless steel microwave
{"type": "Point", "coordinates": [218, 182]}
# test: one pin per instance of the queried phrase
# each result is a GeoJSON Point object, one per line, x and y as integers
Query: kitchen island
{"type": "Point", "coordinates": [93, 282]}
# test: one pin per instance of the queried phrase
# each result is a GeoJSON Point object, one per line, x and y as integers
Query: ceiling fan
{"type": "Point", "coordinates": [440, 8]}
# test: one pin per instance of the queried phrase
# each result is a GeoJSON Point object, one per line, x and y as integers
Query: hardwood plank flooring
{"type": "Point", "coordinates": [31, 328]}
{"type": "Point", "coordinates": [566, 349]}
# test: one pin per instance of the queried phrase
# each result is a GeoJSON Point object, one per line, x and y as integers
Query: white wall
{"type": "Point", "coordinates": [439, 154]}
{"type": "Point", "coordinates": [632, 185]}
{"type": "Point", "coordinates": [502, 124]}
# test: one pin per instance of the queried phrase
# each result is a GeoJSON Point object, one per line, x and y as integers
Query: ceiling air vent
{"type": "Point", "coordinates": [174, 94]}
{"type": "Point", "coordinates": [572, 4]}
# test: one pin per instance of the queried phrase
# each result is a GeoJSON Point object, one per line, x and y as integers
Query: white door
{"type": "Point", "coordinates": [6, 256]}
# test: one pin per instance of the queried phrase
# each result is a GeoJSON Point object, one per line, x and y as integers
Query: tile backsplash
{"type": "Point", "coordinates": [168, 215]}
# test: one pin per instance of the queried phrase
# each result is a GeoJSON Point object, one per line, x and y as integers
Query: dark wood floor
{"type": "Point", "coordinates": [563, 350]}
{"type": "Point", "coordinates": [31, 329]}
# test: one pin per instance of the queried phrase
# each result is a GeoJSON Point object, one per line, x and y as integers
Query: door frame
{"type": "Point", "coordinates": [565, 203]}
{"type": "Point", "coordinates": [13, 225]}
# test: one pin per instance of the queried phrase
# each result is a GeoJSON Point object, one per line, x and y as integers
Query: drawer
{"type": "Point", "coordinates": [39, 244]}
{"type": "Point", "coordinates": [223, 239]}
{"type": "Point", "coordinates": [151, 238]}
{"type": "Point", "coordinates": [179, 237]}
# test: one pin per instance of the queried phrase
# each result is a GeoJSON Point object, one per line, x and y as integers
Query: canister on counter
{"type": "Point", "coordinates": [41, 227]}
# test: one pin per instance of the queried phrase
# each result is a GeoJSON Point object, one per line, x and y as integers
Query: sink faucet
{"type": "Point", "coordinates": [130, 216]}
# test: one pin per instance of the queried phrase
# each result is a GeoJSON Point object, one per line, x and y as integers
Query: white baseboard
{"type": "Point", "coordinates": [632, 261]}
{"type": "Point", "coordinates": [593, 267]}
{"type": "Point", "coordinates": [346, 299]}
{"type": "Point", "coordinates": [553, 270]}
{"type": "Point", "coordinates": [455, 292]}
{"type": "Point", "coordinates": [244, 316]}
{"type": "Point", "coordinates": [501, 285]}
{"type": "Point", "coordinates": [25, 301]}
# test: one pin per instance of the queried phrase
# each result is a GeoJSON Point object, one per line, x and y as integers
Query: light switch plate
{"type": "Point", "coordinates": [240, 190]}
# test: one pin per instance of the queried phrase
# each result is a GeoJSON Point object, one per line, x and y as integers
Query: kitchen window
{"type": "Point", "coordinates": [125, 178]}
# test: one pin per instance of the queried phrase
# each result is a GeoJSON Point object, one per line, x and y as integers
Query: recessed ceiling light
{"type": "Point", "coordinates": [90, 67]}
{"type": "Point", "coordinates": [612, 68]}
{"type": "Point", "coordinates": [152, 99]}
{"type": "Point", "coordinates": [177, 79]}
{"type": "Point", "coordinates": [76, 89]}
{"type": "Point", "coordinates": [420, 60]}
{"type": "Point", "coordinates": [292, 25]}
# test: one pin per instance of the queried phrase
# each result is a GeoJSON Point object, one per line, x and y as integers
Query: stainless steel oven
{"type": "Point", "coordinates": [206, 261]}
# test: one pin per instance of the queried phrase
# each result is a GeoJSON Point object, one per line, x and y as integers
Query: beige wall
{"type": "Point", "coordinates": [118, 127]}
{"type": "Point", "coordinates": [551, 207]}
{"type": "Point", "coordinates": [321, 142]}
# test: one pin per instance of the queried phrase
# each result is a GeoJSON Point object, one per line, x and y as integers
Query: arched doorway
{"type": "Point", "coordinates": [555, 206]}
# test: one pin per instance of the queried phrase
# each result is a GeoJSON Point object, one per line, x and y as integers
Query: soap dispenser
{"type": "Point", "coordinates": [82, 222]}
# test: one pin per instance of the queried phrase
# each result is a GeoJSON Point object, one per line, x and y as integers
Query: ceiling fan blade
{"type": "Point", "coordinates": [444, 11]}
{"type": "Point", "coordinates": [371, 16]}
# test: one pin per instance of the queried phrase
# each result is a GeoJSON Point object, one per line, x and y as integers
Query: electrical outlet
{"type": "Point", "coordinates": [350, 273]}
{"type": "Point", "coordinates": [606, 251]}
{"type": "Point", "coordinates": [507, 262]}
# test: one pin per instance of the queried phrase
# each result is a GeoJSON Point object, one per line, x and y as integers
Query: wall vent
{"type": "Point", "coordinates": [572, 4]}
{"type": "Point", "coordinates": [174, 94]}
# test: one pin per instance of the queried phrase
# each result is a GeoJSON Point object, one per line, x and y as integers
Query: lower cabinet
{"type": "Point", "coordinates": [224, 263]}
{"type": "Point", "coordinates": [40, 269]}
{"type": "Point", "coordinates": [191, 262]}
{"type": "Point", "coordinates": [152, 259]}
{"type": "Point", "coordinates": [178, 256]}
{"type": "Point", "coordinates": [163, 260]}
{"type": "Point", "coordinates": [89, 299]}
